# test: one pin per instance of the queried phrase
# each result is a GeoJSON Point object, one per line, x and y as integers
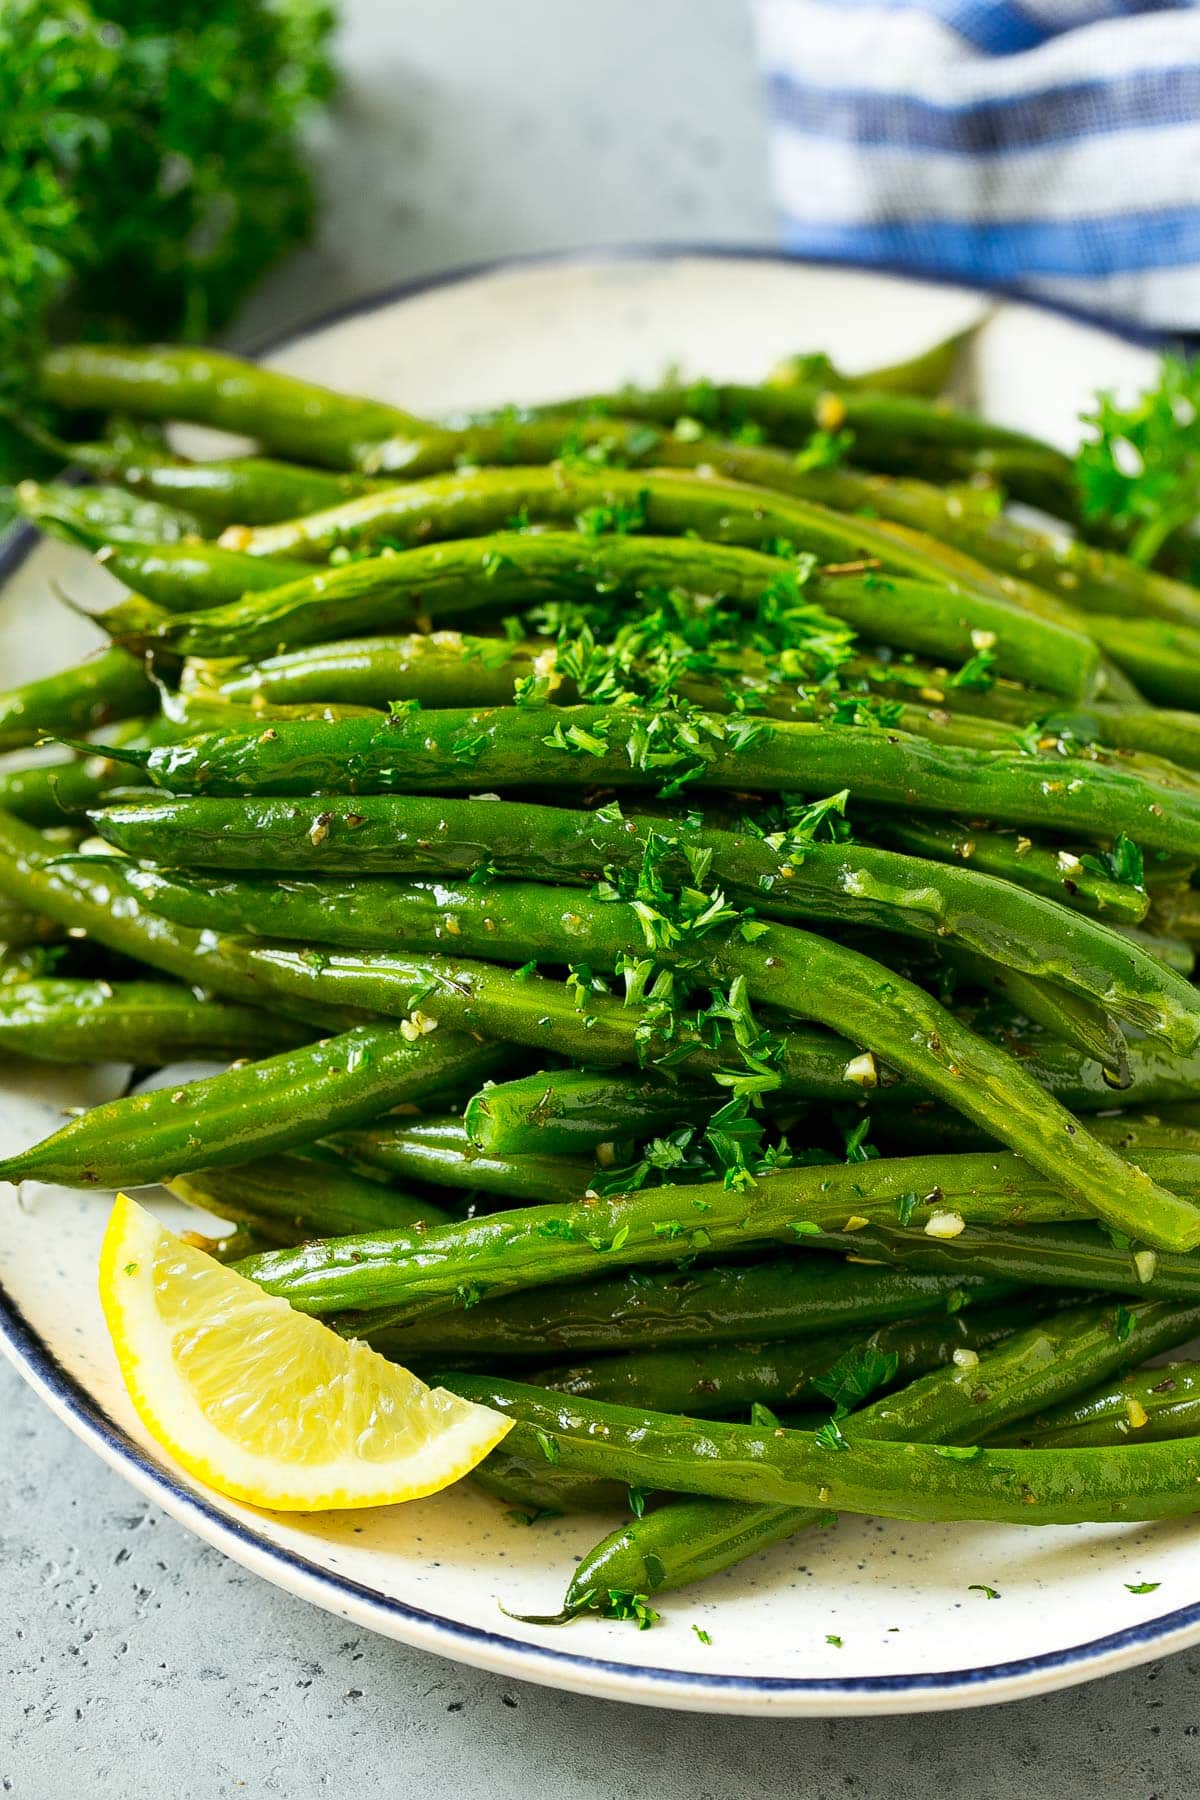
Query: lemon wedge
{"type": "Point", "coordinates": [262, 1403]}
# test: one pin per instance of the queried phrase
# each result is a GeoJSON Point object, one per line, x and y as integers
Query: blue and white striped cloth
{"type": "Point", "coordinates": [1052, 146]}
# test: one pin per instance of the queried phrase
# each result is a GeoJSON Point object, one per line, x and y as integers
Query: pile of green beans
{"type": "Point", "coordinates": [695, 928]}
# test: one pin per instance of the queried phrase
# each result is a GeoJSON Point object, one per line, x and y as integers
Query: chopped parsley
{"type": "Point", "coordinates": [856, 1375]}
{"type": "Point", "coordinates": [1139, 472]}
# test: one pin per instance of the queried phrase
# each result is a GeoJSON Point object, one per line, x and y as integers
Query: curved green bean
{"type": "Point", "coordinates": [889, 1480]}
{"type": "Point", "coordinates": [507, 1251]}
{"type": "Point", "coordinates": [112, 685]}
{"type": "Point", "coordinates": [294, 418]}
{"type": "Point", "coordinates": [566, 1111]}
{"type": "Point", "coordinates": [286, 1198]}
{"type": "Point", "coordinates": [252, 1109]}
{"type": "Point", "coordinates": [145, 1022]}
{"type": "Point", "coordinates": [787, 1297]}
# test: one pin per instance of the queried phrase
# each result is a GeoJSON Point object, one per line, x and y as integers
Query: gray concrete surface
{"type": "Point", "coordinates": [136, 1662]}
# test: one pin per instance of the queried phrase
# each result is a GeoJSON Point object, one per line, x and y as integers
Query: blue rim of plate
{"type": "Point", "coordinates": [34, 1360]}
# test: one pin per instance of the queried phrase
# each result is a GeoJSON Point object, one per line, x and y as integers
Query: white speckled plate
{"type": "Point", "coordinates": [908, 1634]}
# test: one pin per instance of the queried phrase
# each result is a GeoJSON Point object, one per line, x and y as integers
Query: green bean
{"type": "Point", "coordinates": [94, 896]}
{"type": "Point", "coordinates": [95, 516]}
{"type": "Point", "coordinates": [566, 1111]}
{"type": "Point", "coordinates": [1175, 736]}
{"type": "Point", "coordinates": [504, 1252]}
{"type": "Point", "coordinates": [889, 1480]}
{"type": "Point", "coordinates": [526, 1009]}
{"type": "Point", "coordinates": [251, 1109]}
{"type": "Point", "coordinates": [447, 506]}
{"type": "Point", "coordinates": [470, 502]}
{"type": "Point", "coordinates": [192, 577]}
{"type": "Point", "coordinates": [146, 1022]}
{"type": "Point", "coordinates": [505, 568]}
{"type": "Point", "coordinates": [1067, 1014]}
{"type": "Point", "coordinates": [1162, 658]}
{"type": "Point", "coordinates": [1170, 1126]}
{"type": "Point", "coordinates": [1176, 952]}
{"type": "Point", "coordinates": [1058, 874]}
{"type": "Point", "coordinates": [927, 373]}
{"type": "Point", "coordinates": [1084, 577]}
{"type": "Point", "coordinates": [540, 1491]}
{"type": "Point", "coordinates": [236, 490]}
{"type": "Point", "coordinates": [445, 668]}
{"type": "Point", "coordinates": [1163, 1402]}
{"type": "Point", "coordinates": [891, 431]}
{"type": "Point", "coordinates": [470, 751]}
{"type": "Point", "coordinates": [1064, 1256]}
{"type": "Point", "coordinates": [112, 685]}
{"type": "Point", "coordinates": [787, 1297]}
{"type": "Point", "coordinates": [836, 986]}
{"type": "Point", "coordinates": [690, 1540]}
{"type": "Point", "coordinates": [418, 836]}
{"type": "Point", "coordinates": [285, 1199]}
{"type": "Point", "coordinates": [450, 668]}
{"type": "Point", "coordinates": [47, 792]}
{"type": "Point", "coordinates": [1095, 579]}
{"type": "Point", "coordinates": [475, 996]}
{"type": "Point", "coordinates": [716, 1381]}
{"type": "Point", "coordinates": [21, 927]}
{"type": "Point", "coordinates": [515, 922]}
{"type": "Point", "coordinates": [293, 418]}
{"type": "Point", "coordinates": [441, 1152]}
{"type": "Point", "coordinates": [441, 668]}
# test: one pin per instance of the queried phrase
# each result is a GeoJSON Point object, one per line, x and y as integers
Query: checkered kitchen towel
{"type": "Point", "coordinates": [1047, 145]}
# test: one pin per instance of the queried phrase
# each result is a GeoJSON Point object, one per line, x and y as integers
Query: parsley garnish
{"type": "Point", "coordinates": [981, 1587]}
{"type": "Point", "coordinates": [1140, 470]}
{"type": "Point", "coordinates": [856, 1375]}
{"type": "Point", "coordinates": [977, 674]}
{"type": "Point", "coordinates": [1143, 1587]}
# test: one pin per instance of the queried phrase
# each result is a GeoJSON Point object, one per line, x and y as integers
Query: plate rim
{"type": "Point", "coordinates": [599, 1677]}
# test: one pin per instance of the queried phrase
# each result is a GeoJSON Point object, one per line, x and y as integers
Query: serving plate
{"type": "Point", "coordinates": [869, 1617]}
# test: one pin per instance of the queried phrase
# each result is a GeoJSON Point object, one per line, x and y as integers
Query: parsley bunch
{"type": "Point", "coordinates": [152, 169]}
{"type": "Point", "coordinates": [1140, 471]}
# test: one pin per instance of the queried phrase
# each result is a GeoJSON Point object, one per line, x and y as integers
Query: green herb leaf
{"type": "Point", "coordinates": [857, 1374]}
{"type": "Point", "coordinates": [829, 1436]}
{"type": "Point", "coordinates": [1140, 469]}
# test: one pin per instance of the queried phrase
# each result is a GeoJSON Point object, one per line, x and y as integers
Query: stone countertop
{"type": "Point", "coordinates": [140, 1663]}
